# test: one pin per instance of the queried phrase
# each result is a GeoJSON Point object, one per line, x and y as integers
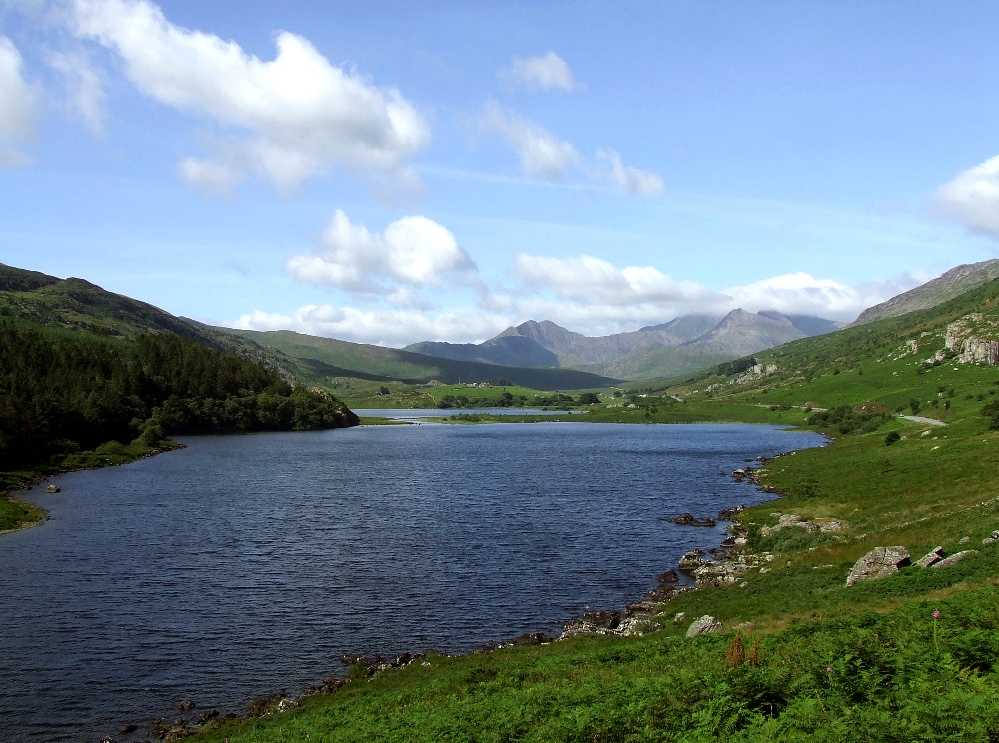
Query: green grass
{"type": "Point", "coordinates": [895, 676]}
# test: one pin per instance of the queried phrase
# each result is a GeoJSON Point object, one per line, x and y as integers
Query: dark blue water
{"type": "Point", "coordinates": [246, 565]}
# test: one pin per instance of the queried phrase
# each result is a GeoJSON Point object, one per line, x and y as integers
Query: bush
{"type": "Point", "coordinates": [115, 448]}
{"type": "Point", "coordinates": [892, 437]}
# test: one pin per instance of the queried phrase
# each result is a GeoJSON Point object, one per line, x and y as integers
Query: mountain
{"type": "Point", "coordinates": [741, 333]}
{"type": "Point", "coordinates": [323, 358]}
{"type": "Point", "coordinates": [77, 305]}
{"type": "Point", "coordinates": [948, 285]}
{"type": "Point", "coordinates": [909, 362]}
{"type": "Point", "coordinates": [682, 345]}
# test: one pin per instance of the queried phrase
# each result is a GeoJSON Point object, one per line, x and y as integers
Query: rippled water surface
{"type": "Point", "coordinates": [245, 565]}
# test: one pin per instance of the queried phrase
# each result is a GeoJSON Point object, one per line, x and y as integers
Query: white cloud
{"type": "Point", "coordinates": [18, 108]}
{"type": "Point", "coordinates": [216, 179]}
{"type": "Point", "coordinates": [600, 282]}
{"type": "Point", "coordinates": [802, 294]}
{"type": "Point", "coordinates": [972, 198]}
{"type": "Point", "coordinates": [631, 180]}
{"type": "Point", "coordinates": [288, 119]}
{"type": "Point", "coordinates": [548, 72]}
{"type": "Point", "coordinates": [381, 327]}
{"type": "Point", "coordinates": [413, 252]}
{"type": "Point", "coordinates": [597, 296]}
{"type": "Point", "coordinates": [542, 154]}
{"type": "Point", "coordinates": [84, 87]}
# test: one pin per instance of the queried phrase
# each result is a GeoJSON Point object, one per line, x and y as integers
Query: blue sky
{"type": "Point", "coordinates": [393, 172]}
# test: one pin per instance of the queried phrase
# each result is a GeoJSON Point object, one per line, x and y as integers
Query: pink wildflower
{"type": "Point", "coordinates": [936, 613]}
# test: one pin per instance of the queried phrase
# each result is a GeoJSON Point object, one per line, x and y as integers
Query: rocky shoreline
{"type": "Point", "coordinates": [720, 565]}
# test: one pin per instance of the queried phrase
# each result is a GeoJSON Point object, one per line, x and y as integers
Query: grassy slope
{"type": "Point", "coordinates": [869, 662]}
{"type": "Point", "coordinates": [345, 359]}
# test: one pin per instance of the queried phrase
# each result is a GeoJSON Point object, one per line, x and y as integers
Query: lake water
{"type": "Point", "coordinates": [246, 565]}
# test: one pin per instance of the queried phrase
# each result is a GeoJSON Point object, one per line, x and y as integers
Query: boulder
{"type": "Point", "coordinates": [933, 556]}
{"type": "Point", "coordinates": [953, 559]}
{"type": "Point", "coordinates": [692, 560]}
{"type": "Point", "coordinates": [52, 489]}
{"type": "Point", "coordinates": [686, 519]}
{"type": "Point", "coordinates": [879, 563]}
{"type": "Point", "coordinates": [704, 625]}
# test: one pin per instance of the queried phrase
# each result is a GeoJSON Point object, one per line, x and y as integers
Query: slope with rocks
{"type": "Point", "coordinates": [948, 285]}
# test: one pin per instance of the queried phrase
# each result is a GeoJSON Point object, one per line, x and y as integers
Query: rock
{"type": "Point", "coordinates": [988, 540]}
{"type": "Point", "coordinates": [286, 704]}
{"type": "Point", "coordinates": [934, 555]}
{"type": "Point", "coordinates": [953, 559]}
{"type": "Point", "coordinates": [679, 617]}
{"type": "Point", "coordinates": [686, 519]}
{"type": "Point", "coordinates": [692, 560]}
{"type": "Point", "coordinates": [726, 514]}
{"type": "Point", "coordinates": [186, 705]}
{"type": "Point", "coordinates": [718, 573]}
{"type": "Point", "coordinates": [669, 576]}
{"type": "Point", "coordinates": [739, 473]}
{"type": "Point", "coordinates": [964, 540]}
{"type": "Point", "coordinates": [879, 563]}
{"type": "Point", "coordinates": [703, 626]}
{"type": "Point", "coordinates": [126, 729]}
{"type": "Point", "coordinates": [785, 520]}
{"type": "Point", "coordinates": [831, 525]}
{"type": "Point", "coordinates": [52, 489]}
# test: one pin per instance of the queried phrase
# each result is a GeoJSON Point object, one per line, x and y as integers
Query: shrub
{"type": "Point", "coordinates": [892, 437]}
{"type": "Point", "coordinates": [111, 447]}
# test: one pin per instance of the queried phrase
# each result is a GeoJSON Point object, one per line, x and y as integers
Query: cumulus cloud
{"type": "Point", "coordinates": [413, 252]}
{"type": "Point", "coordinates": [596, 295]}
{"type": "Point", "coordinates": [541, 153]}
{"type": "Point", "coordinates": [18, 108]}
{"type": "Point", "coordinates": [972, 198]}
{"type": "Point", "coordinates": [598, 281]}
{"type": "Point", "coordinates": [381, 327]}
{"type": "Point", "coordinates": [84, 82]}
{"type": "Point", "coordinates": [547, 72]}
{"type": "Point", "coordinates": [802, 294]}
{"type": "Point", "coordinates": [288, 119]}
{"type": "Point", "coordinates": [631, 180]}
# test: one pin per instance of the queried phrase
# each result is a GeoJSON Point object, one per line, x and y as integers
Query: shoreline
{"type": "Point", "coordinates": [40, 477]}
{"type": "Point", "coordinates": [632, 621]}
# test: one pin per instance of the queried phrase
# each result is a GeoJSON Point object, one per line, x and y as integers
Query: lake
{"type": "Point", "coordinates": [245, 565]}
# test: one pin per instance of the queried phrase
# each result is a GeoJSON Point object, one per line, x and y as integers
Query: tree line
{"type": "Point", "coordinates": [60, 393]}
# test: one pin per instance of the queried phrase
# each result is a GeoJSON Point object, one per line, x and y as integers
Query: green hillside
{"type": "Point", "coordinates": [321, 359]}
{"type": "Point", "coordinates": [801, 655]}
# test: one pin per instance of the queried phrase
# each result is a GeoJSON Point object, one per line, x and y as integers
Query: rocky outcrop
{"type": "Point", "coordinates": [933, 556]}
{"type": "Point", "coordinates": [879, 563]}
{"type": "Point", "coordinates": [953, 559]}
{"type": "Point", "coordinates": [703, 626]}
{"type": "Point", "coordinates": [692, 560]}
{"type": "Point", "coordinates": [785, 520]}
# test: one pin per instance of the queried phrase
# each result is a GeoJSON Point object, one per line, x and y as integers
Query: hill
{"type": "Point", "coordinates": [680, 346]}
{"type": "Point", "coordinates": [323, 359]}
{"type": "Point", "coordinates": [78, 305]}
{"type": "Point", "coordinates": [948, 285]}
